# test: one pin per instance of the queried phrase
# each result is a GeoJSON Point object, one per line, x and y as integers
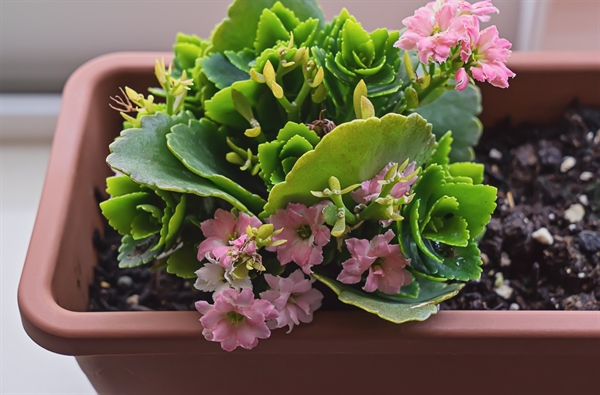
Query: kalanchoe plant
{"type": "Point", "coordinates": [286, 152]}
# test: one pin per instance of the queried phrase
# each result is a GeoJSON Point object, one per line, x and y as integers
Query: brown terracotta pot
{"type": "Point", "coordinates": [549, 352]}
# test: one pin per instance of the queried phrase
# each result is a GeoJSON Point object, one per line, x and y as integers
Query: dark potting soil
{"type": "Point", "coordinates": [547, 178]}
{"type": "Point", "coordinates": [141, 288]}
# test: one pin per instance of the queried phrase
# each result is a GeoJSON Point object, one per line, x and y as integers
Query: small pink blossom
{"type": "Point", "coordinates": [384, 262]}
{"type": "Point", "coordinates": [236, 319]}
{"type": "Point", "coordinates": [369, 190]}
{"type": "Point", "coordinates": [490, 53]}
{"type": "Point", "coordinates": [293, 297]}
{"type": "Point", "coordinates": [305, 232]}
{"type": "Point", "coordinates": [221, 231]}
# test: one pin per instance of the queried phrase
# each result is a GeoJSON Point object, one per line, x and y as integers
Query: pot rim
{"type": "Point", "coordinates": [85, 333]}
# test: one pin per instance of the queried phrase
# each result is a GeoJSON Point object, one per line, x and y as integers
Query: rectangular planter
{"type": "Point", "coordinates": [351, 352]}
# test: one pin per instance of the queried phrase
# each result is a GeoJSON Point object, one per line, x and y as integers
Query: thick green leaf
{"type": "Point", "coordinates": [201, 147]}
{"type": "Point", "coordinates": [238, 31]}
{"type": "Point", "coordinates": [451, 263]}
{"type": "Point", "coordinates": [396, 311]}
{"type": "Point", "coordinates": [220, 71]}
{"type": "Point", "coordinates": [456, 111]}
{"type": "Point", "coordinates": [270, 30]}
{"type": "Point", "coordinates": [467, 169]}
{"type": "Point", "coordinates": [121, 185]}
{"type": "Point", "coordinates": [134, 253]}
{"type": "Point", "coordinates": [220, 107]}
{"type": "Point", "coordinates": [476, 203]}
{"type": "Point", "coordinates": [354, 152]}
{"type": "Point", "coordinates": [144, 226]}
{"type": "Point", "coordinates": [441, 154]}
{"type": "Point", "coordinates": [121, 211]}
{"type": "Point", "coordinates": [184, 262]}
{"type": "Point", "coordinates": [428, 291]}
{"type": "Point", "coordinates": [144, 156]}
{"type": "Point", "coordinates": [241, 59]}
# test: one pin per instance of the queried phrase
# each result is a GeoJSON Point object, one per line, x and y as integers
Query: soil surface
{"type": "Point", "coordinates": [541, 249]}
{"type": "Point", "coordinates": [141, 288]}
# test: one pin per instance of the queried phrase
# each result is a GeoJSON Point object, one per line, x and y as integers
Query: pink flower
{"type": "Point", "coordinates": [221, 231]}
{"type": "Point", "coordinates": [490, 53]}
{"type": "Point", "coordinates": [434, 30]}
{"type": "Point", "coordinates": [369, 190]}
{"type": "Point", "coordinates": [384, 262]}
{"type": "Point", "coordinates": [305, 233]}
{"type": "Point", "coordinates": [236, 319]}
{"type": "Point", "coordinates": [481, 9]}
{"type": "Point", "coordinates": [293, 297]}
{"type": "Point", "coordinates": [462, 79]}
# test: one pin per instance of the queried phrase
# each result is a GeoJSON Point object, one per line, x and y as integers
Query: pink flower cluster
{"type": "Point", "coordinates": [226, 242]}
{"type": "Point", "coordinates": [448, 30]}
{"type": "Point", "coordinates": [237, 319]}
{"type": "Point", "coordinates": [369, 190]}
{"type": "Point", "coordinates": [383, 261]}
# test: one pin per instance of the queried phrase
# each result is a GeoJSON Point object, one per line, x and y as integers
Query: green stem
{"type": "Point", "coordinates": [170, 103]}
{"type": "Point", "coordinates": [300, 98]}
{"type": "Point", "coordinates": [339, 203]}
{"type": "Point", "coordinates": [289, 108]}
{"type": "Point", "coordinates": [435, 83]}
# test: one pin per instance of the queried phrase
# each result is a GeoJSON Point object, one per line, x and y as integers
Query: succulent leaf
{"type": "Point", "coordinates": [238, 31]}
{"type": "Point", "coordinates": [354, 152]}
{"type": "Point", "coordinates": [144, 156]}
{"type": "Point", "coordinates": [396, 309]}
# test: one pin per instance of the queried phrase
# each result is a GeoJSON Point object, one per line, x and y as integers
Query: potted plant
{"type": "Point", "coordinates": [136, 352]}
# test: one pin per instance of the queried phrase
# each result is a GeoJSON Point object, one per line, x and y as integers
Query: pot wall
{"type": "Point", "coordinates": [164, 352]}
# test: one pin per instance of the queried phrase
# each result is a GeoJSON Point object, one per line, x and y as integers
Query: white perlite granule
{"type": "Point", "coordinates": [567, 164]}
{"type": "Point", "coordinates": [543, 236]}
{"type": "Point", "coordinates": [575, 213]}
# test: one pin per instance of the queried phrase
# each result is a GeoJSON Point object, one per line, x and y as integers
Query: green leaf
{"type": "Point", "coordinates": [220, 71]}
{"type": "Point", "coordinates": [241, 59]}
{"type": "Point", "coordinates": [428, 291]}
{"type": "Point", "coordinates": [221, 109]}
{"type": "Point", "coordinates": [456, 111]}
{"type": "Point", "coordinates": [144, 226]}
{"type": "Point", "coordinates": [452, 232]}
{"type": "Point", "coordinates": [238, 31]}
{"type": "Point", "coordinates": [451, 263]}
{"type": "Point", "coordinates": [270, 30]}
{"type": "Point", "coordinates": [121, 185]}
{"type": "Point", "coordinates": [474, 171]}
{"type": "Point", "coordinates": [144, 156]}
{"type": "Point", "coordinates": [397, 310]}
{"type": "Point", "coordinates": [121, 211]}
{"type": "Point", "coordinates": [354, 152]}
{"type": "Point", "coordinates": [175, 223]}
{"type": "Point", "coordinates": [201, 147]}
{"type": "Point", "coordinates": [134, 253]}
{"type": "Point", "coordinates": [292, 129]}
{"type": "Point", "coordinates": [476, 203]}
{"type": "Point", "coordinates": [184, 262]}
{"type": "Point", "coordinates": [440, 155]}
{"type": "Point", "coordinates": [305, 34]}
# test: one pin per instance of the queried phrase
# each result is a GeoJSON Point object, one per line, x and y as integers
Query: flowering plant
{"type": "Point", "coordinates": [289, 152]}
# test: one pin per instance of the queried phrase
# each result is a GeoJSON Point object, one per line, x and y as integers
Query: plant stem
{"type": "Point", "coordinates": [300, 98]}
{"type": "Point", "coordinates": [435, 83]}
